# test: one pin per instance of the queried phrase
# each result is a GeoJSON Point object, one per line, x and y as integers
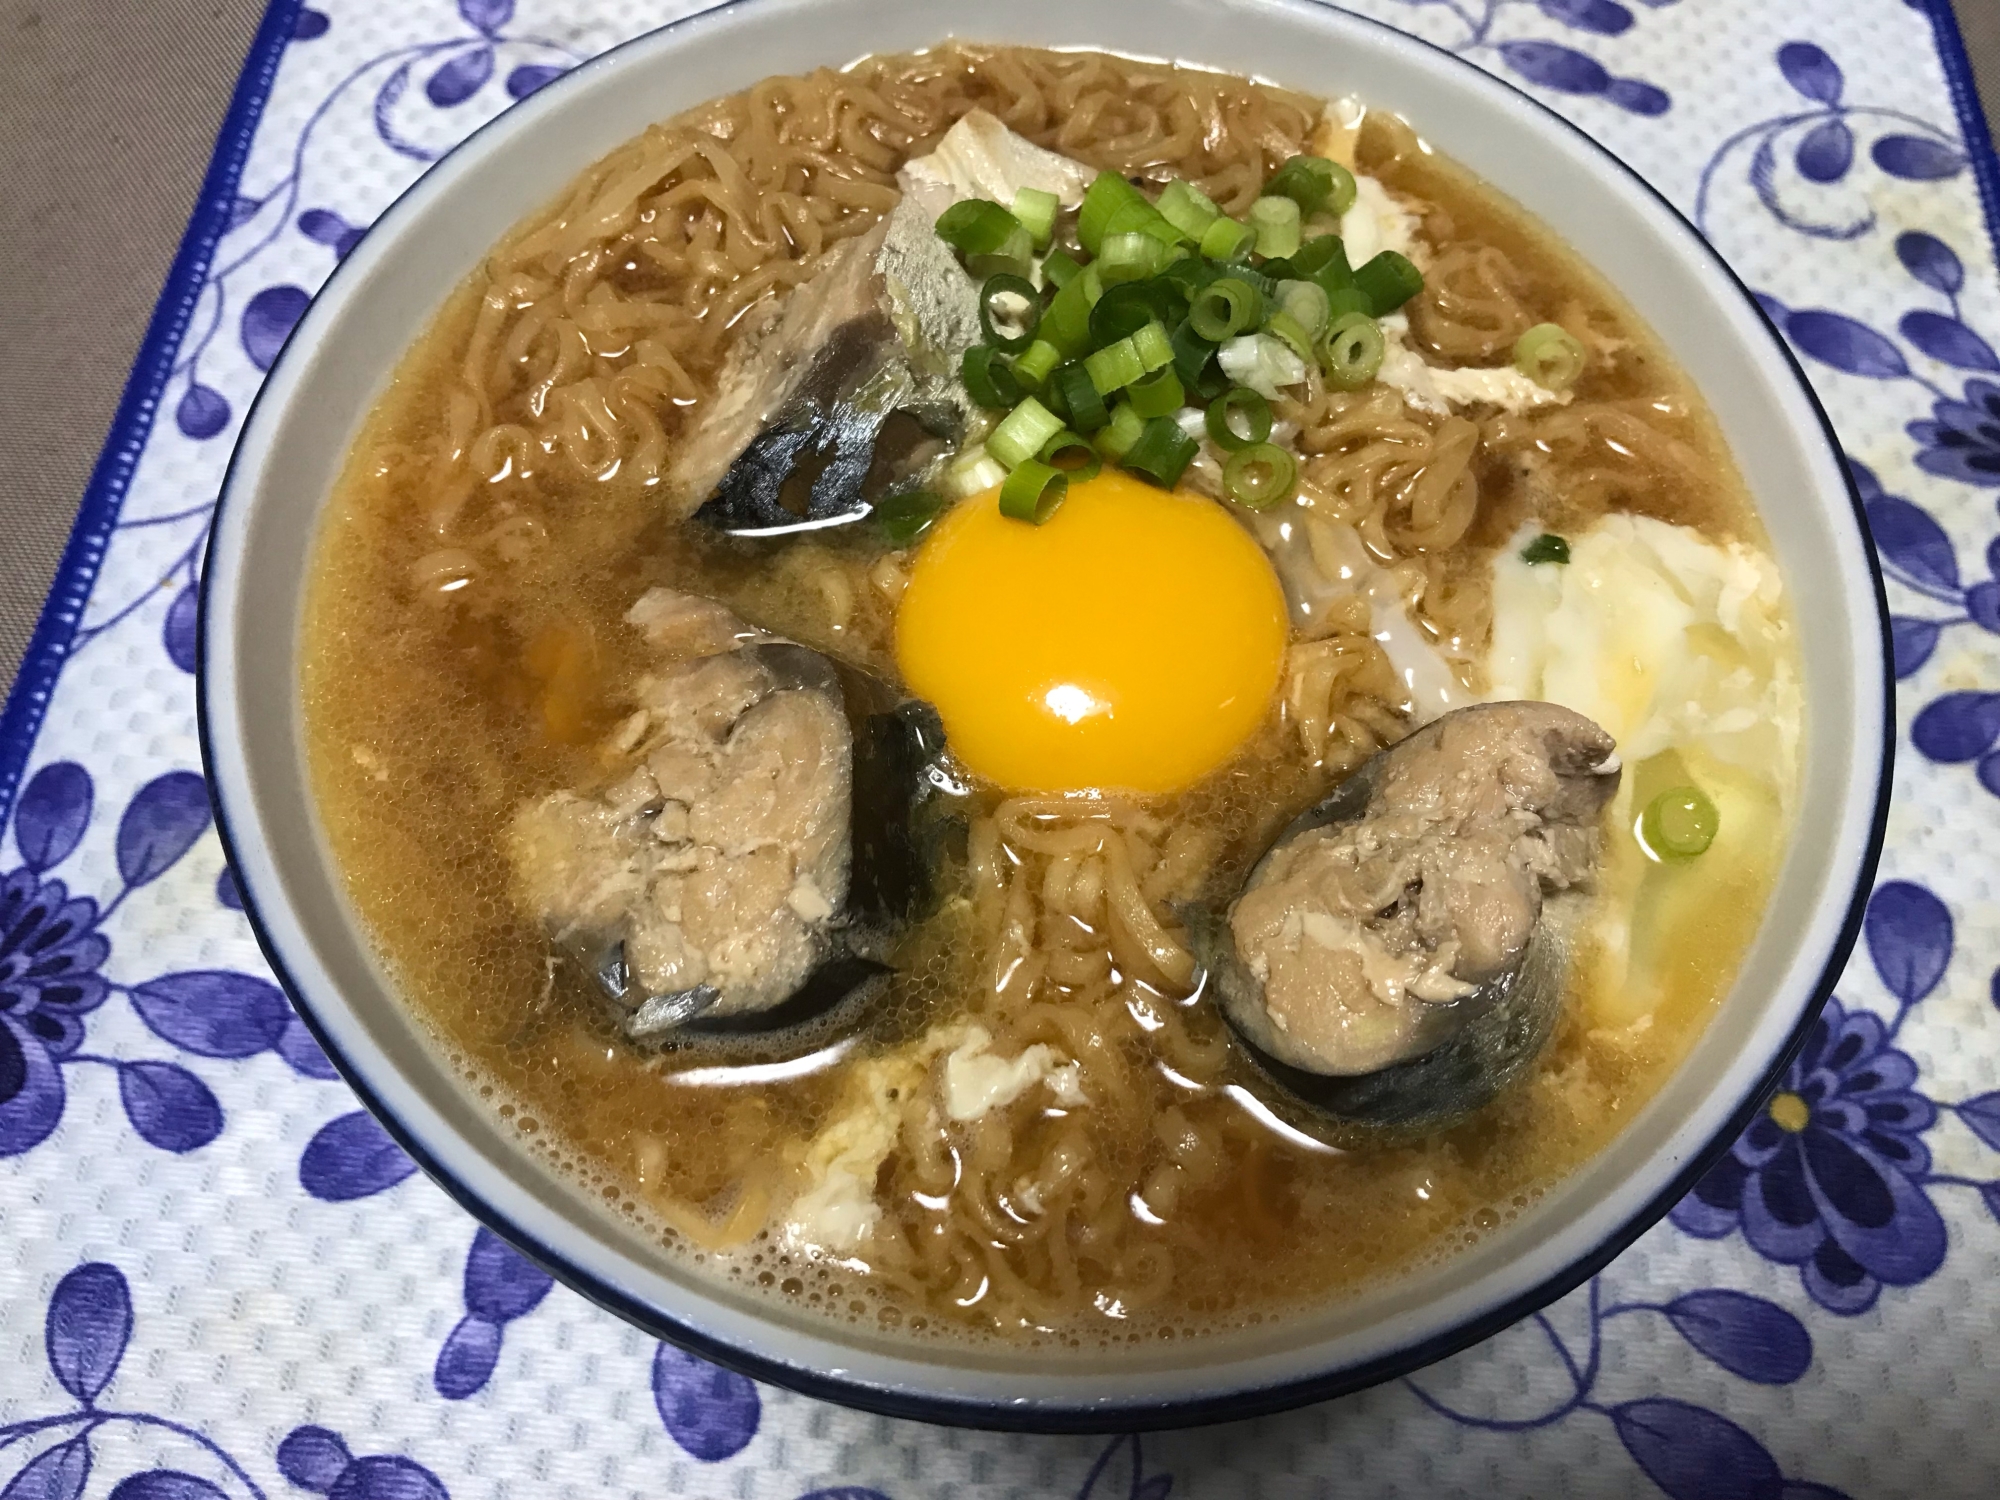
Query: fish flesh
{"type": "Point", "coordinates": [1395, 958]}
{"type": "Point", "coordinates": [773, 829]}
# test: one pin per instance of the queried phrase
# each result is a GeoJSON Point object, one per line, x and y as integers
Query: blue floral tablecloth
{"type": "Point", "coordinates": [220, 1279]}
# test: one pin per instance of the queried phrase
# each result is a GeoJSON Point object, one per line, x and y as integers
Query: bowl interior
{"type": "Point", "coordinates": [343, 351]}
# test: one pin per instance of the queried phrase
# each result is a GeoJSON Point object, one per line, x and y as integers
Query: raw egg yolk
{"type": "Point", "coordinates": [1134, 640]}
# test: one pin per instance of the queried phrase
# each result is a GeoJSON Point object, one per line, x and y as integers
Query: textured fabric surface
{"type": "Point", "coordinates": [219, 1278]}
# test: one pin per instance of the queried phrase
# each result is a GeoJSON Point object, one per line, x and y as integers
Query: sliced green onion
{"type": "Point", "coordinates": [1123, 310]}
{"type": "Point", "coordinates": [1007, 326]}
{"type": "Point", "coordinates": [1263, 363]}
{"type": "Point", "coordinates": [1225, 308]}
{"type": "Point", "coordinates": [1226, 239]}
{"type": "Point", "coordinates": [987, 379]}
{"type": "Point", "coordinates": [1348, 300]}
{"type": "Point", "coordinates": [1059, 268]}
{"type": "Point", "coordinates": [1141, 218]}
{"type": "Point", "coordinates": [1238, 401]}
{"type": "Point", "coordinates": [1550, 355]}
{"type": "Point", "coordinates": [1120, 433]}
{"type": "Point", "coordinates": [1106, 193]}
{"type": "Point", "coordinates": [1317, 254]}
{"type": "Point", "coordinates": [1066, 320]}
{"type": "Point", "coordinates": [1153, 347]}
{"type": "Point", "coordinates": [1680, 824]}
{"type": "Point", "coordinates": [1158, 394]}
{"type": "Point", "coordinates": [1282, 325]}
{"type": "Point", "coordinates": [1189, 274]}
{"type": "Point", "coordinates": [1187, 208]}
{"type": "Point", "coordinates": [1021, 433]}
{"type": "Point", "coordinates": [1260, 475]}
{"type": "Point", "coordinates": [905, 517]}
{"type": "Point", "coordinates": [976, 227]}
{"type": "Point", "coordinates": [1073, 455]}
{"type": "Point", "coordinates": [1092, 284]}
{"type": "Point", "coordinates": [1345, 191]}
{"type": "Point", "coordinates": [1306, 303]}
{"type": "Point", "coordinates": [1194, 363]}
{"type": "Point", "coordinates": [1351, 354]}
{"type": "Point", "coordinates": [1036, 211]}
{"type": "Point", "coordinates": [972, 472]}
{"type": "Point", "coordinates": [1087, 412]}
{"type": "Point", "coordinates": [1129, 257]}
{"type": "Point", "coordinates": [1161, 452]}
{"type": "Point", "coordinates": [1276, 221]}
{"type": "Point", "coordinates": [1033, 491]}
{"type": "Point", "coordinates": [1390, 280]}
{"type": "Point", "coordinates": [1015, 258]}
{"type": "Point", "coordinates": [1546, 548]}
{"type": "Point", "coordinates": [1114, 367]}
{"type": "Point", "coordinates": [1307, 181]}
{"type": "Point", "coordinates": [1036, 363]}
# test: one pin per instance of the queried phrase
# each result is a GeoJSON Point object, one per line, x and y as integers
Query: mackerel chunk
{"type": "Point", "coordinates": [848, 389]}
{"type": "Point", "coordinates": [1360, 940]}
{"type": "Point", "coordinates": [709, 875]}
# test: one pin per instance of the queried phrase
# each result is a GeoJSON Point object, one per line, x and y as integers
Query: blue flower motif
{"type": "Point", "coordinates": [1829, 1177]}
{"type": "Point", "coordinates": [1963, 443]}
{"type": "Point", "coordinates": [49, 955]}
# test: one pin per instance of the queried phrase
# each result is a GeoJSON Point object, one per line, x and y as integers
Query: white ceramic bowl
{"type": "Point", "coordinates": [342, 353]}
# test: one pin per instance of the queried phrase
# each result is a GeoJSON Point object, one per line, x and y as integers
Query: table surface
{"type": "Point", "coordinates": [89, 218]}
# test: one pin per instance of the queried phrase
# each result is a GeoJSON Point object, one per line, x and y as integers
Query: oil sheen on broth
{"type": "Point", "coordinates": [466, 654]}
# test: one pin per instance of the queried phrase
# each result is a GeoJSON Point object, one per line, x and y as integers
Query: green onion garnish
{"type": "Point", "coordinates": [1161, 452]}
{"type": "Point", "coordinates": [1128, 257]}
{"type": "Point", "coordinates": [1187, 208]}
{"type": "Point", "coordinates": [1343, 303]}
{"type": "Point", "coordinates": [1036, 363]}
{"type": "Point", "coordinates": [1238, 402]}
{"type": "Point", "coordinates": [1010, 310]}
{"type": "Point", "coordinates": [1390, 280]}
{"type": "Point", "coordinates": [1306, 303]}
{"type": "Point", "coordinates": [1124, 310]}
{"type": "Point", "coordinates": [1550, 355]}
{"type": "Point", "coordinates": [1546, 548]}
{"type": "Point", "coordinates": [1073, 455]}
{"type": "Point", "coordinates": [976, 227]}
{"type": "Point", "coordinates": [1021, 433]}
{"type": "Point", "coordinates": [1159, 394]}
{"type": "Point", "coordinates": [1033, 491]}
{"type": "Point", "coordinates": [987, 379]}
{"type": "Point", "coordinates": [1322, 259]}
{"type": "Point", "coordinates": [905, 517]}
{"type": "Point", "coordinates": [1276, 221]}
{"type": "Point", "coordinates": [1194, 362]}
{"type": "Point", "coordinates": [1066, 320]}
{"type": "Point", "coordinates": [1314, 183]}
{"type": "Point", "coordinates": [1153, 346]}
{"type": "Point", "coordinates": [1260, 475]}
{"type": "Point", "coordinates": [1120, 433]}
{"type": "Point", "coordinates": [1351, 354]}
{"type": "Point", "coordinates": [1226, 239]}
{"type": "Point", "coordinates": [1107, 193]}
{"type": "Point", "coordinates": [1059, 268]}
{"type": "Point", "coordinates": [1679, 824]}
{"type": "Point", "coordinates": [1282, 326]}
{"type": "Point", "coordinates": [1114, 367]}
{"type": "Point", "coordinates": [1225, 308]}
{"type": "Point", "coordinates": [1015, 258]}
{"type": "Point", "coordinates": [1036, 211]}
{"type": "Point", "coordinates": [1087, 411]}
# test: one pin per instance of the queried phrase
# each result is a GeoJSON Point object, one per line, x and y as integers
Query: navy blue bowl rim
{"type": "Point", "coordinates": [1134, 1416]}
